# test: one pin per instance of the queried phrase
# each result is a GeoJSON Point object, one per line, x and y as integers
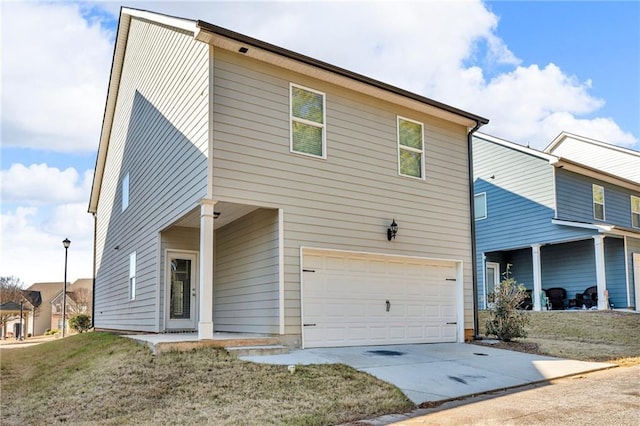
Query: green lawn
{"type": "Point", "coordinates": [100, 378]}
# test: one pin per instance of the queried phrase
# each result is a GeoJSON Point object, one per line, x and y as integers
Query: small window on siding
{"type": "Point", "coordinates": [307, 121]}
{"type": "Point", "coordinates": [598, 202]}
{"type": "Point", "coordinates": [480, 205]}
{"type": "Point", "coordinates": [132, 276]}
{"type": "Point", "coordinates": [635, 211]}
{"type": "Point", "coordinates": [410, 148]}
{"type": "Point", "coordinates": [125, 192]}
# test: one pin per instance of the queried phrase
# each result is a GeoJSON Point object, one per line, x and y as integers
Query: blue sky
{"type": "Point", "coordinates": [533, 68]}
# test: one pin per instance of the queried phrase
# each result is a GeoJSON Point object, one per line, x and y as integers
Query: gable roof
{"type": "Point", "coordinates": [230, 40]}
{"type": "Point", "coordinates": [612, 159]}
{"type": "Point", "coordinates": [572, 165]}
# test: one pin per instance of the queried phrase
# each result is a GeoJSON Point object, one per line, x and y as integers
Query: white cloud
{"type": "Point", "coordinates": [32, 246]}
{"type": "Point", "coordinates": [40, 184]}
{"type": "Point", "coordinates": [55, 68]}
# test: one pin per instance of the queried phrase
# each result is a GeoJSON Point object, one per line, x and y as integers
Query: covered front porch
{"type": "Point", "coordinates": [565, 270]}
{"type": "Point", "coordinates": [221, 273]}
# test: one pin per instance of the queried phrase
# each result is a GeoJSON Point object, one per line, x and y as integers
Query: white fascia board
{"type": "Point", "coordinates": [170, 21]}
{"type": "Point", "coordinates": [596, 227]}
{"type": "Point", "coordinates": [566, 135]}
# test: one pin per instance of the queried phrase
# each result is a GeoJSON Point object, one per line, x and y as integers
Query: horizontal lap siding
{"type": "Point", "coordinates": [633, 246]}
{"type": "Point", "coordinates": [159, 137]}
{"type": "Point", "coordinates": [570, 266]}
{"type": "Point", "coordinates": [348, 200]}
{"type": "Point", "coordinates": [615, 271]}
{"type": "Point", "coordinates": [575, 199]}
{"type": "Point", "coordinates": [246, 291]}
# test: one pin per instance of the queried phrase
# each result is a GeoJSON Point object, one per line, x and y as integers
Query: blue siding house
{"type": "Point", "coordinates": [567, 217]}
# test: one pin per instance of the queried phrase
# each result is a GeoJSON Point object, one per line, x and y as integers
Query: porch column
{"type": "Point", "coordinates": [537, 276]}
{"type": "Point", "coordinates": [601, 278]}
{"type": "Point", "coordinates": [205, 312]}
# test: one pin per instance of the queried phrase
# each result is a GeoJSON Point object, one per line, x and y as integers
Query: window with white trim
{"type": "Point", "coordinates": [480, 205]}
{"type": "Point", "coordinates": [132, 276]}
{"type": "Point", "coordinates": [635, 211]}
{"type": "Point", "coordinates": [125, 192]}
{"type": "Point", "coordinates": [410, 148]}
{"type": "Point", "coordinates": [307, 121]}
{"type": "Point", "coordinates": [598, 202]}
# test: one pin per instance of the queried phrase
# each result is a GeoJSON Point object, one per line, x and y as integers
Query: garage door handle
{"type": "Point", "coordinates": [388, 306]}
{"type": "Point", "coordinates": [309, 325]}
{"type": "Point", "coordinates": [451, 323]}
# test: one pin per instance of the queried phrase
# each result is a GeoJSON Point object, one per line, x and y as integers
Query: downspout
{"type": "Point", "coordinates": [472, 217]}
{"type": "Point", "coordinates": [93, 290]}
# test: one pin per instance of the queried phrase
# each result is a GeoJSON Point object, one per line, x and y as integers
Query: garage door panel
{"type": "Point", "coordinates": [345, 297]}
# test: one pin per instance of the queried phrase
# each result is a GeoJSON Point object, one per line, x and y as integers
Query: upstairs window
{"type": "Point", "coordinates": [480, 205]}
{"type": "Point", "coordinates": [307, 121]}
{"type": "Point", "coordinates": [635, 211]}
{"type": "Point", "coordinates": [598, 202]}
{"type": "Point", "coordinates": [410, 148]}
{"type": "Point", "coordinates": [125, 192]}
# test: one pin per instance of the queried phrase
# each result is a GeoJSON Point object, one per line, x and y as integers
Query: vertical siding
{"type": "Point", "coordinates": [575, 199]}
{"type": "Point", "coordinates": [246, 291]}
{"type": "Point", "coordinates": [347, 201]}
{"type": "Point", "coordinates": [158, 137]}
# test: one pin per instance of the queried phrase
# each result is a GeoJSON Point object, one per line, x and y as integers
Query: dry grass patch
{"type": "Point", "coordinates": [610, 336]}
{"type": "Point", "coordinates": [100, 378]}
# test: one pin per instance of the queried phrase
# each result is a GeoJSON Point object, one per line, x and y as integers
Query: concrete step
{"type": "Point", "coordinates": [239, 351]}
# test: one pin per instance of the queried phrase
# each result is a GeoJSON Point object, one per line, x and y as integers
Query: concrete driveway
{"type": "Point", "coordinates": [441, 371]}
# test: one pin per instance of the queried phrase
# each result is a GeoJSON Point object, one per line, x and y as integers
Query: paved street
{"type": "Point", "coordinates": [609, 397]}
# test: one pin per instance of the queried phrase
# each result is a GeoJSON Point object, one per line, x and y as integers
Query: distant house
{"type": "Point", "coordinates": [241, 187]}
{"type": "Point", "coordinates": [566, 218]}
{"type": "Point", "coordinates": [79, 301]}
{"type": "Point", "coordinates": [42, 320]}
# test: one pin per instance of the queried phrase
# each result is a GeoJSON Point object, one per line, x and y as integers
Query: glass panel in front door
{"type": "Point", "coordinates": [180, 298]}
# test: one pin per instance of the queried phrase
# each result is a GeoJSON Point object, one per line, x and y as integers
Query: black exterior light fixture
{"type": "Point", "coordinates": [392, 230]}
{"type": "Point", "coordinates": [66, 243]}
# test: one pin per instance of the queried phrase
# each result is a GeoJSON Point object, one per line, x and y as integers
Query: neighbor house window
{"type": "Point", "coordinates": [410, 148]}
{"type": "Point", "coordinates": [125, 192]}
{"type": "Point", "coordinates": [132, 276]}
{"type": "Point", "coordinates": [598, 202]}
{"type": "Point", "coordinates": [635, 211]}
{"type": "Point", "coordinates": [480, 205]}
{"type": "Point", "coordinates": [307, 121]}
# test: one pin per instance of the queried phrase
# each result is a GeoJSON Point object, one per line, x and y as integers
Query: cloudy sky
{"type": "Point", "coordinates": [533, 68]}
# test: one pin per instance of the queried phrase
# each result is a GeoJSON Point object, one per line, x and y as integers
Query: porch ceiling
{"type": "Point", "coordinates": [228, 213]}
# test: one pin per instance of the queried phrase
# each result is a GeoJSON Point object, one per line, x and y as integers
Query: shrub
{"type": "Point", "coordinates": [50, 332]}
{"type": "Point", "coordinates": [80, 322]}
{"type": "Point", "coordinates": [505, 320]}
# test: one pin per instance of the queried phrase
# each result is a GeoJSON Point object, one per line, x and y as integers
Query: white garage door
{"type": "Point", "coordinates": [358, 299]}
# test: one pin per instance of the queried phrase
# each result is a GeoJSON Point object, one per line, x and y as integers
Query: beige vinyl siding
{"type": "Point", "coordinates": [246, 274]}
{"type": "Point", "coordinates": [347, 201]}
{"type": "Point", "coordinates": [159, 137]}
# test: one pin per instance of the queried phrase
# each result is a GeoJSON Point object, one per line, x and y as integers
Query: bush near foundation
{"type": "Point", "coordinates": [505, 320]}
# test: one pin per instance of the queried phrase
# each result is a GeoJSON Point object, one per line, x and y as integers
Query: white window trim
{"type": "Point", "coordinates": [132, 276]}
{"type": "Point", "coordinates": [633, 212]}
{"type": "Point", "coordinates": [125, 192]}
{"type": "Point", "coordinates": [322, 125]}
{"type": "Point", "coordinates": [408, 148]}
{"type": "Point", "coordinates": [593, 202]}
{"type": "Point", "coordinates": [486, 213]}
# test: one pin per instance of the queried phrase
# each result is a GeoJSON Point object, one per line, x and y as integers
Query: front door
{"type": "Point", "coordinates": [492, 278]}
{"type": "Point", "coordinates": [181, 292]}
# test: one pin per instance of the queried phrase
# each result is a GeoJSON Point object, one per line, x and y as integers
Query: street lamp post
{"type": "Point", "coordinates": [66, 243]}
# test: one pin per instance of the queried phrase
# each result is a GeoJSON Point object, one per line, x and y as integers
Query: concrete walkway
{"type": "Point", "coordinates": [442, 371]}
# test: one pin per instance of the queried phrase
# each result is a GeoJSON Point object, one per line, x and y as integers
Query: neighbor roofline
{"type": "Point", "coordinates": [564, 135]}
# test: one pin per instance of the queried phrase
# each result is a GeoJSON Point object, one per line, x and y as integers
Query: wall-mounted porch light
{"type": "Point", "coordinates": [216, 215]}
{"type": "Point", "coordinates": [392, 230]}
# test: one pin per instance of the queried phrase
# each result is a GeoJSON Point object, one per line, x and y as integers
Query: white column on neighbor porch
{"type": "Point", "coordinates": [205, 312]}
{"type": "Point", "coordinates": [601, 278]}
{"type": "Point", "coordinates": [537, 276]}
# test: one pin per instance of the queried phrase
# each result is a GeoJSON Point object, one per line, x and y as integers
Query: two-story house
{"type": "Point", "coordinates": [242, 187]}
{"type": "Point", "coordinates": [567, 217]}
